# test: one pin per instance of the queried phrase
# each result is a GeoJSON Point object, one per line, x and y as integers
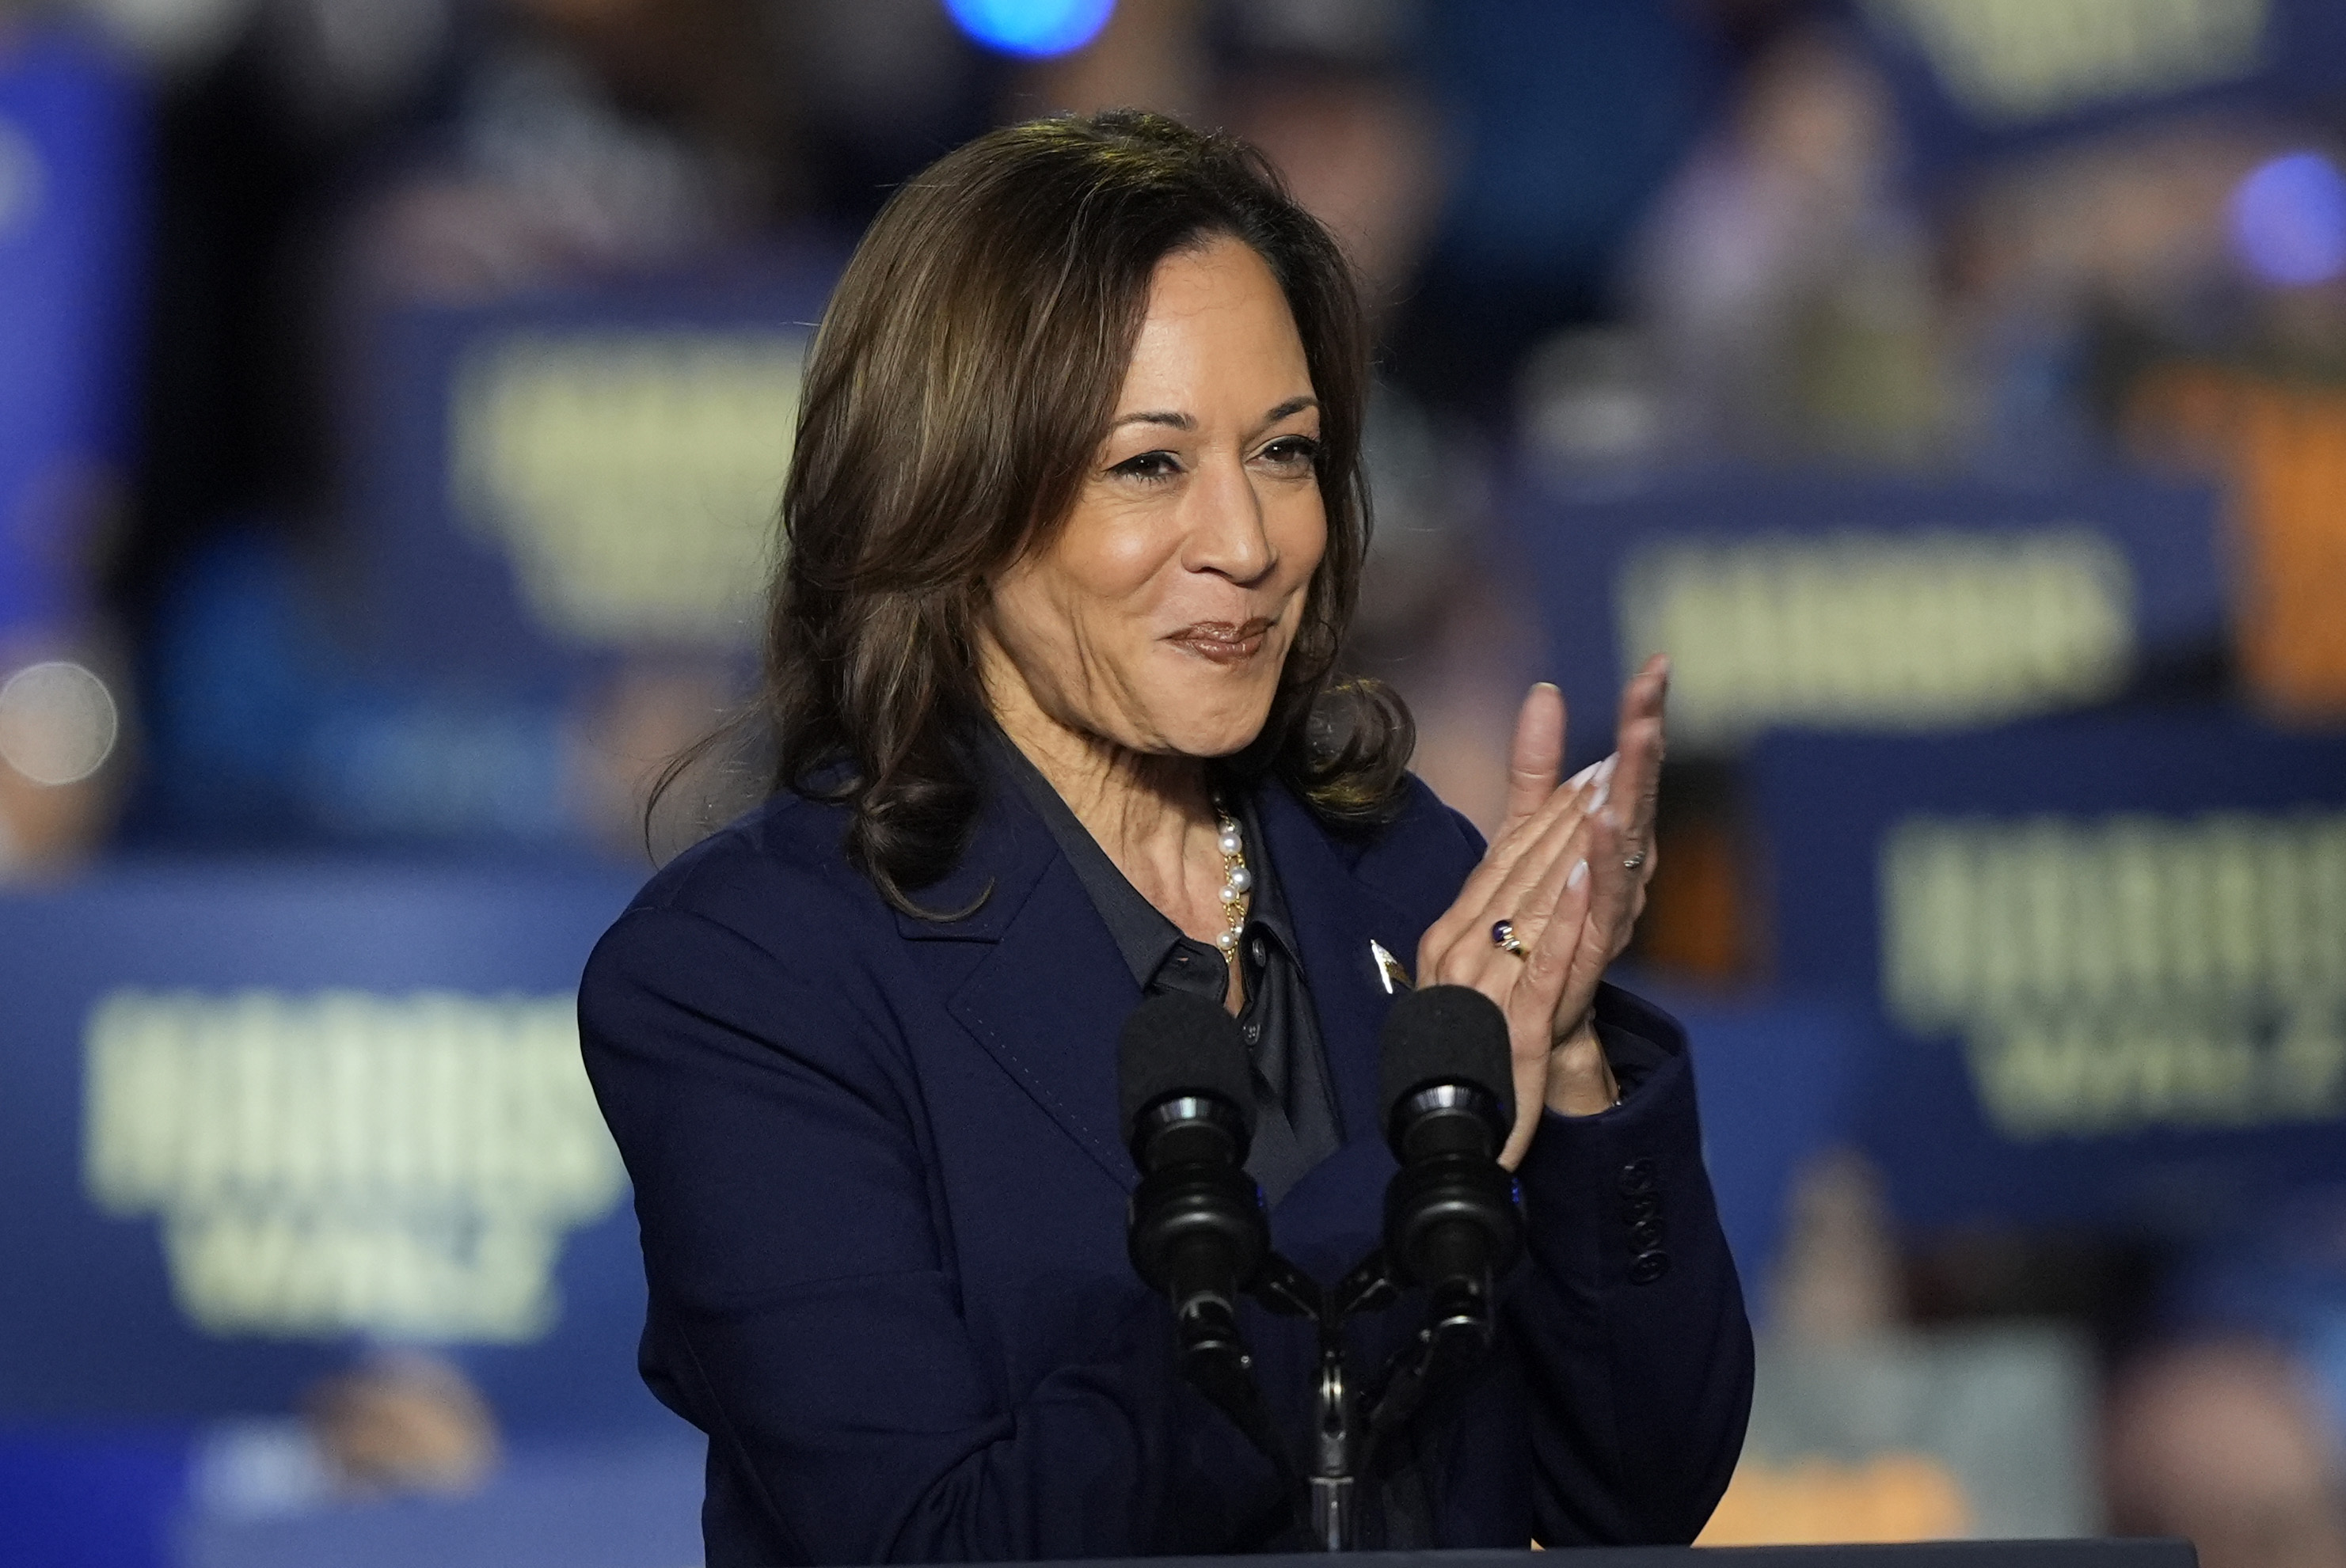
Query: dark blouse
{"type": "Point", "coordinates": [1297, 1123]}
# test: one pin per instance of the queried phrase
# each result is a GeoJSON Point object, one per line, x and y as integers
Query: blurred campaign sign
{"type": "Point", "coordinates": [254, 1118]}
{"type": "Point", "coordinates": [2105, 958]}
{"type": "Point", "coordinates": [1979, 79]}
{"type": "Point", "coordinates": [1869, 604]}
{"type": "Point", "coordinates": [554, 479]}
{"type": "Point", "coordinates": [72, 151]}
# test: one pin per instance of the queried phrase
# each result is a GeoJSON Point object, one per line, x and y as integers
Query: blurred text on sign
{"type": "Point", "coordinates": [2102, 953]}
{"type": "Point", "coordinates": [2129, 971]}
{"type": "Point", "coordinates": [632, 478]}
{"type": "Point", "coordinates": [1869, 604]}
{"type": "Point", "coordinates": [1929, 630]}
{"type": "Point", "coordinates": [340, 1161]}
{"type": "Point", "coordinates": [2021, 60]}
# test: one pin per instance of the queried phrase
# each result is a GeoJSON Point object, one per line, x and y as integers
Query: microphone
{"type": "Point", "coordinates": [1196, 1228]}
{"type": "Point", "coordinates": [1453, 1218]}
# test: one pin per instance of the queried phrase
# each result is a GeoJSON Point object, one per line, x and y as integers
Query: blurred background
{"type": "Point", "coordinates": [394, 396]}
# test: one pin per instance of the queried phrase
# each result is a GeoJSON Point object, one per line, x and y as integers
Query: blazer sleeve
{"type": "Point", "coordinates": [804, 1312]}
{"type": "Point", "coordinates": [1629, 1322]}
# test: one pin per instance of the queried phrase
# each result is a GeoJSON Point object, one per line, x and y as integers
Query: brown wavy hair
{"type": "Point", "coordinates": [959, 386]}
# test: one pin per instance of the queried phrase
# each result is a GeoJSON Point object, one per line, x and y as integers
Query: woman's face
{"type": "Point", "coordinates": [1158, 619]}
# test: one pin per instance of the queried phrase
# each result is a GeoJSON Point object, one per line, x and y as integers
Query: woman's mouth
{"type": "Point", "coordinates": [1223, 642]}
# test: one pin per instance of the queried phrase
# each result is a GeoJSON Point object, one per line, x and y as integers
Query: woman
{"type": "Point", "coordinates": [1073, 529]}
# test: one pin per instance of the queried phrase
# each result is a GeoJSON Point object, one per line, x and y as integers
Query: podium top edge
{"type": "Point", "coordinates": [2130, 1551]}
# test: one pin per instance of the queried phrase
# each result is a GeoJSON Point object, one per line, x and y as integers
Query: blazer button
{"type": "Point", "coordinates": [1648, 1267]}
{"type": "Point", "coordinates": [1636, 1176]}
{"type": "Point", "coordinates": [1645, 1235]}
{"type": "Point", "coordinates": [1644, 1205]}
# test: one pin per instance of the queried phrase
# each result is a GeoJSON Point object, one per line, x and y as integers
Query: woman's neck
{"type": "Point", "coordinates": [1153, 815]}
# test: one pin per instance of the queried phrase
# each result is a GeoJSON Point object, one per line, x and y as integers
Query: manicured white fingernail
{"type": "Point", "coordinates": [1604, 782]}
{"type": "Point", "coordinates": [1577, 875]}
{"type": "Point", "coordinates": [1581, 778]}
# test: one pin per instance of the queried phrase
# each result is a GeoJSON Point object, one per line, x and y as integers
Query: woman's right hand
{"type": "Point", "coordinates": [1570, 921]}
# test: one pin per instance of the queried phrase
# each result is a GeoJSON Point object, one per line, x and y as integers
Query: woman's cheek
{"type": "Point", "coordinates": [1305, 524]}
{"type": "Point", "coordinates": [1118, 557]}
{"type": "Point", "coordinates": [1298, 564]}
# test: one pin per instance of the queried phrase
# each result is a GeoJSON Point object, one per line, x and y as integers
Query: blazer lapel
{"type": "Point", "coordinates": [1050, 992]}
{"type": "Point", "coordinates": [1048, 997]}
{"type": "Point", "coordinates": [1337, 916]}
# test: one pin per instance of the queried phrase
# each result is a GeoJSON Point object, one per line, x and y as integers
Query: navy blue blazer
{"type": "Point", "coordinates": [881, 1193]}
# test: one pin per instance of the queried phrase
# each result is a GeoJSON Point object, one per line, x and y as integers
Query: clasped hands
{"type": "Point", "coordinates": [1567, 873]}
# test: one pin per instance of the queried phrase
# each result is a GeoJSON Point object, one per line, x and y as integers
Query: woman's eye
{"type": "Point", "coordinates": [1148, 465]}
{"type": "Point", "coordinates": [1292, 451]}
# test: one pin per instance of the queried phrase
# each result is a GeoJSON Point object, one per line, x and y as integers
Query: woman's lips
{"type": "Point", "coordinates": [1224, 642]}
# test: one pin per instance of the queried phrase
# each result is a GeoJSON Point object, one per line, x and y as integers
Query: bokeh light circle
{"type": "Point", "coordinates": [1036, 28]}
{"type": "Point", "coordinates": [58, 723]}
{"type": "Point", "coordinates": [2289, 219]}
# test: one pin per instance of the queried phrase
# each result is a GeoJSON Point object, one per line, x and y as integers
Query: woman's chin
{"type": "Point", "coordinates": [1202, 707]}
{"type": "Point", "coordinates": [1219, 730]}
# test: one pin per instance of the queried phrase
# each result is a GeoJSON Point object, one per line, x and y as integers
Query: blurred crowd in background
{"type": "Point", "coordinates": [395, 395]}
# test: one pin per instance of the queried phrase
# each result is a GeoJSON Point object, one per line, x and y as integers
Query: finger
{"type": "Point", "coordinates": [1502, 888]}
{"type": "Point", "coordinates": [1495, 887]}
{"type": "Point", "coordinates": [1567, 896]}
{"type": "Point", "coordinates": [1532, 1026]}
{"type": "Point", "coordinates": [1640, 743]}
{"type": "Point", "coordinates": [1536, 755]}
{"type": "Point", "coordinates": [1615, 895]}
{"type": "Point", "coordinates": [1527, 895]}
{"type": "Point", "coordinates": [1635, 798]}
{"type": "Point", "coordinates": [1528, 902]}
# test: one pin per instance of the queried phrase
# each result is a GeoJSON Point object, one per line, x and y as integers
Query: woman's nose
{"type": "Point", "coordinates": [1227, 532]}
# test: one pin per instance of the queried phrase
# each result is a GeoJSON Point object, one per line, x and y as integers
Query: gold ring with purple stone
{"type": "Point", "coordinates": [1503, 938]}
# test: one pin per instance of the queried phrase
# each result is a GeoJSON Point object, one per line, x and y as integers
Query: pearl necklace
{"type": "Point", "coordinates": [1236, 880]}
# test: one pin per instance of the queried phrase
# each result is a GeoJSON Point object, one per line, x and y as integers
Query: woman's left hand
{"type": "Point", "coordinates": [1567, 873]}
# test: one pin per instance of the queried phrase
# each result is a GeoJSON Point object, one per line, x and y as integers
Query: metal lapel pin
{"type": "Point", "coordinates": [1389, 970]}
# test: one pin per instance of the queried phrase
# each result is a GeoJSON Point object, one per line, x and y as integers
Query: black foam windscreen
{"type": "Point", "coordinates": [1178, 1043]}
{"type": "Point", "coordinates": [1444, 1034]}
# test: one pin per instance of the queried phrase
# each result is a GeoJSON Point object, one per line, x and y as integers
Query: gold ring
{"type": "Point", "coordinates": [1634, 861]}
{"type": "Point", "coordinates": [1503, 938]}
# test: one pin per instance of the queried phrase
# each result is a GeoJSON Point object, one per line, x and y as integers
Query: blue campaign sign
{"type": "Point", "coordinates": [1867, 604]}
{"type": "Point", "coordinates": [1977, 79]}
{"type": "Point", "coordinates": [550, 481]}
{"type": "Point", "coordinates": [2105, 959]}
{"type": "Point", "coordinates": [72, 150]}
{"type": "Point", "coordinates": [256, 1117]}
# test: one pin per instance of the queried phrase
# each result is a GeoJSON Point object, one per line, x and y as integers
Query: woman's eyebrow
{"type": "Point", "coordinates": [1293, 406]}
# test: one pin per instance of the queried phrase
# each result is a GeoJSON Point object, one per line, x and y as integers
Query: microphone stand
{"type": "Point", "coordinates": [1457, 1333]}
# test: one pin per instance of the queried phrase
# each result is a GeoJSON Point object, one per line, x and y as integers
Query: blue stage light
{"type": "Point", "coordinates": [2289, 219]}
{"type": "Point", "coordinates": [1037, 29]}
